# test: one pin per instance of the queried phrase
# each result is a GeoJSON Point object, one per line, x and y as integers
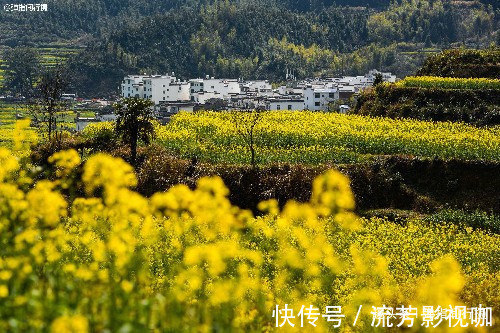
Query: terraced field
{"type": "Point", "coordinates": [51, 55]}
{"type": "Point", "coordinates": [8, 119]}
{"type": "Point", "coordinates": [313, 138]}
{"type": "Point", "coordinates": [448, 83]}
{"type": "Point", "coordinates": [10, 113]}
{"type": "Point", "coordinates": [2, 72]}
{"type": "Point", "coordinates": [54, 54]}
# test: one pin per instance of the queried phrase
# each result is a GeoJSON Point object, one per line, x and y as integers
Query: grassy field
{"type": "Point", "coordinates": [315, 138]}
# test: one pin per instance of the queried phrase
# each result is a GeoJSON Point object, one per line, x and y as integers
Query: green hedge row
{"type": "Point", "coordinates": [423, 185]}
{"type": "Point", "coordinates": [463, 63]}
{"type": "Point", "coordinates": [478, 107]}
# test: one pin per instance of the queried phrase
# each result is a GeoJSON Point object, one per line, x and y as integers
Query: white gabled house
{"type": "Point", "coordinates": [157, 88]}
{"type": "Point", "coordinates": [318, 99]}
{"type": "Point", "coordinates": [225, 87]}
{"type": "Point", "coordinates": [315, 94]}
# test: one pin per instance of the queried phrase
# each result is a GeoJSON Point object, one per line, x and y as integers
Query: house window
{"type": "Point", "coordinates": [192, 91]}
{"type": "Point", "coordinates": [316, 95]}
{"type": "Point", "coordinates": [163, 86]}
{"type": "Point", "coordinates": [163, 92]}
{"type": "Point", "coordinates": [316, 104]}
{"type": "Point", "coordinates": [278, 107]}
{"type": "Point", "coordinates": [163, 97]}
{"type": "Point", "coordinates": [289, 107]}
{"type": "Point", "coordinates": [144, 95]}
{"type": "Point", "coordinates": [332, 95]}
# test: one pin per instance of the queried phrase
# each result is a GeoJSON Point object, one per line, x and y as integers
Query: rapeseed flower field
{"type": "Point", "coordinates": [315, 138]}
{"type": "Point", "coordinates": [437, 82]}
{"type": "Point", "coordinates": [83, 252]}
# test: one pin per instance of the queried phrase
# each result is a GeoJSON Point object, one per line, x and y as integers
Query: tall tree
{"type": "Point", "coordinates": [22, 70]}
{"type": "Point", "coordinates": [47, 108]}
{"type": "Point", "coordinates": [378, 79]}
{"type": "Point", "coordinates": [134, 122]}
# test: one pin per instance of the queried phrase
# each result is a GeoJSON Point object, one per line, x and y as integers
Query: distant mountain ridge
{"type": "Point", "coordinates": [72, 19]}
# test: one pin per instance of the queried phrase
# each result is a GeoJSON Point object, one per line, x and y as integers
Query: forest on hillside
{"type": "Point", "coordinates": [248, 38]}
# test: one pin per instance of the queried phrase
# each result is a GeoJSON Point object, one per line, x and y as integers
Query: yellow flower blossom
{"type": "Point", "coordinates": [38, 207]}
{"type": "Point", "coordinates": [128, 262]}
{"type": "Point", "coordinates": [4, 291]}
{"type": "Point", "coordinates": [8, 163]}
{"type": "Point", "coordinates": [70, 324]}
{"type": "Point", "coordinates": [65, 161]}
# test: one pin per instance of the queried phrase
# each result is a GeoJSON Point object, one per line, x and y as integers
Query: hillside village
{"type": "Point", "coordinates": [171, 95]}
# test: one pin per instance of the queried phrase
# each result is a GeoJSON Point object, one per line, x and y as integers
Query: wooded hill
{"type": "Point", "coordinates": [249, 38]}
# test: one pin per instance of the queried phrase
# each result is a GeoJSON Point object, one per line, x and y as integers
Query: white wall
{"type": "Point", "coordinates": [156, 88]}
{"type": "Point", "coordinates": [196, 85]}
{"type": "Point", "coordinates": [286, 105]}
{"type": "Point", "coordinates": [257, 86]}
{"type": "Point", "coordinates": [132, 85]}
{"type": "Point", "coordinates": [318, 99]}
{"type": "Point", "coordinates": [222, 86]}
{"type": "Point", "coordinates": [203, 97]}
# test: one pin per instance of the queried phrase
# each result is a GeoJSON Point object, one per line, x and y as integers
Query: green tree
{"type": "Point", "coordinates": [22, 70]}
{"type": "Point", "coordinates": [378, 79]}
{"type": "Point", "coordinates": [134, 122]}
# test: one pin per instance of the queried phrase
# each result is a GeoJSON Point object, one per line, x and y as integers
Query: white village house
{"type": "Point", "coordinates": [156, 88]}
{"type": "Point", "coordinates": [171, 95]}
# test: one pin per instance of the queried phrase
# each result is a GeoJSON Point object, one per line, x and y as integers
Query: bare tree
{"type": "Point", "coordinates": [245, 123]}
{"type": "Point", "coordinates": [47, 109]}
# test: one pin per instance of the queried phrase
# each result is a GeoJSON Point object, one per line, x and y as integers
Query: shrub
{"type": "Point", "coordinates": [463, 63]}
{"type": "Point", "coordinates": [473, 106]}
{"type": "Point", "coordinates": [475, 219]}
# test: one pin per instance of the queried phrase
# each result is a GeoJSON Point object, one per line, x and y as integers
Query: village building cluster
{"type": "Point", "coordinates": [172, 95]}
